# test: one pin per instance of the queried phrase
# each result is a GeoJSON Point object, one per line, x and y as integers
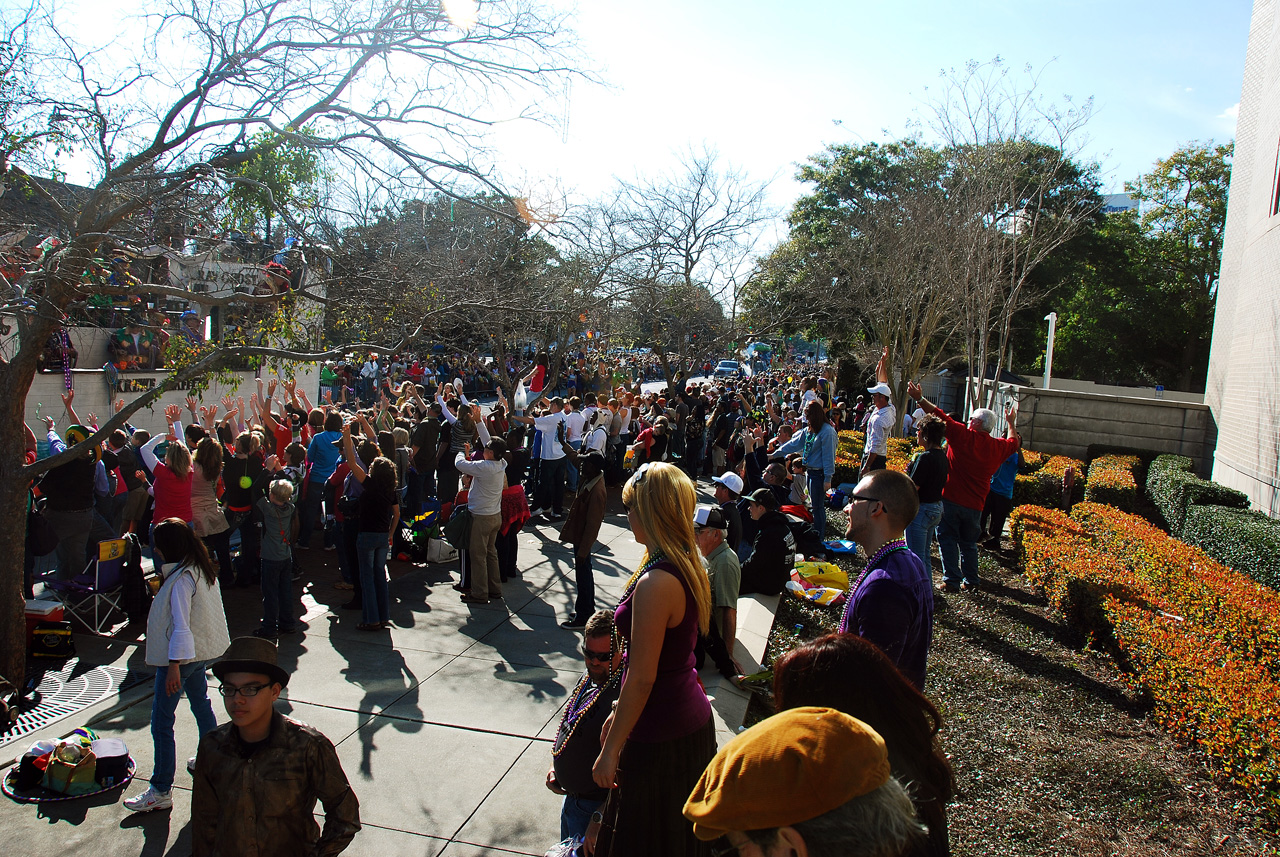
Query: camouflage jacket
{"type": "Point", "coordinates": [258, 801]}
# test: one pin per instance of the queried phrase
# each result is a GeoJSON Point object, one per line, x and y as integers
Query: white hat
{"type": "Point", "coordinates": [881, 388]}
{"type": "Point", "coordinates": [730, 480]}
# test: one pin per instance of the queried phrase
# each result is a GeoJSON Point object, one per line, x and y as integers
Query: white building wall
{"type": "Point", "coordinates": [1243, 390]}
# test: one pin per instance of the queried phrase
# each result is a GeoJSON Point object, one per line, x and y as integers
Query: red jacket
{"type": "Point", "coordinates": [974, 457]}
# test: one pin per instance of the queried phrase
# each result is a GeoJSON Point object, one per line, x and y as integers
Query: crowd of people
{"type": "Point", "coordinates": [635, 756]}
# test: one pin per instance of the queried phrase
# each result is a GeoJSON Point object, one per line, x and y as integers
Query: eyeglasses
{"type": "Point", "coordinates": [598, 657]}
{"type": "Point", "coordinates": [864, 499]}
{"type": "Point", "coordinates": [229, 691]}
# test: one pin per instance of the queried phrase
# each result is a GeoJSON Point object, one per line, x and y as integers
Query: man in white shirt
{"type": "Point", "coordinates": [484, 499]}
{"type": "Point", "coordinates": [876, 452]}
{"type": "Point", "coordinates": [574, 423]}
{"type": "Point", "coordinates": [551, 475]}
{"type": "Point", "coordinates": [369, 379]}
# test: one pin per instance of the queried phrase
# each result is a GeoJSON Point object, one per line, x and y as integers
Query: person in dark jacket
{"type": "Point", "coordinates": [259, 777]}
{"type": "Point", "coordinates": [581, 529]}
{"type": "Point", "coordinates": [773, 553]}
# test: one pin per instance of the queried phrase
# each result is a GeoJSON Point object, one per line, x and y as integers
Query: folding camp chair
{"type": "Point", "coordinates": [95, 594]}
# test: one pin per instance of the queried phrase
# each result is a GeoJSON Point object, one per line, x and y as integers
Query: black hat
{"type": "Point", "coordinates": [251, 655]}
{"type": "Point", "coordinates": [497, 446]}
{"type": "Point", "coordinates": [764, 497]}
{"type": "Point", "coordinates": [709, 517]}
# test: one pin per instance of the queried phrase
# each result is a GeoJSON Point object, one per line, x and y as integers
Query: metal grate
{"type": "Point", "coordinates": [65, 691]}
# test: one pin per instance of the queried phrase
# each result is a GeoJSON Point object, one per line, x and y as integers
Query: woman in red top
{"type": "Point", "coordinates": [172, 485]}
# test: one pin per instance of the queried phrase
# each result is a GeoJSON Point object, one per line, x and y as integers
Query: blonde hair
{"type": "Point", "coordinates": [664, 500]}
{"type": "Point", "coordinates": [282, 490]}
{"type": "Point", "coordinates": [178, 459]}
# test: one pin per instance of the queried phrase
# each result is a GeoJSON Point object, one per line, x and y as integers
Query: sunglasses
{"type": "Point", "coordinates": [598, 657]}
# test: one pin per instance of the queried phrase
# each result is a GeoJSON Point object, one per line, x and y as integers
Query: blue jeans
{"type": "Point", "coordinates": [164, 709]}
{"type": "Point", "coordinates": [277, 595]}
{"type": "Point", "coordinates": [818, 501]}
{"type": "Point", "coordinates": [922, 530]}
{"type": "Point", "coordinates": [575, 815]}
{"type": "Point", "coordinates": [958, 535]}
{"type": "Point", "coordinates": [373, 549]}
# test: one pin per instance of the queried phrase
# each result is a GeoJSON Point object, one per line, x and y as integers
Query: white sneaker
{"type": "Point", "coordinates": [149, 800]}
{"type": "Point", "coordinates": [538, 511]}
{"type": "Point", "coordinates": [191, 765]}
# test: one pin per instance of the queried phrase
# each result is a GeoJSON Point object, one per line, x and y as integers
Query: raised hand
{"type": "Point", "coordinates": [271, 388]}
{"type": "Point", "coordinates": [913, 391]}
{"type": "Point", "coordinates": [172, 413]}
{"type": "Point", "coordinates": [119, 405]}
{"type": "Point", "coordinates": [272, 463]}
{"type": "Point", "coordinates": [228, 403]}
{"type": "Point", "coordinates": [328, 396]}
{"type": "Point", "coordinates": [191, 404]}
{"type": "Point", "coordinates": [48, 421]}
{"type": "Point", "coordinates": [92, 418]}
{"type": "Point", "coordinates": [882, 368]}
{"type": "Point", "coordinates": [290, 385]}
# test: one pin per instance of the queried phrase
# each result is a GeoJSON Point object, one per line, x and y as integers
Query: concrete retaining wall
{"type": "Point", "coordinates": [1067, 423]}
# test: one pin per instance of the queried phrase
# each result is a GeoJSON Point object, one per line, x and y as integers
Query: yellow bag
{"type": "Point", "coordinates": [823, 574]}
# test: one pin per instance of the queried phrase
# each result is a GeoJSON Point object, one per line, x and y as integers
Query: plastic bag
{"type": "Point", "coordinates": [816, 594]}
{"type": "Point", "coordinates": [822, 574]}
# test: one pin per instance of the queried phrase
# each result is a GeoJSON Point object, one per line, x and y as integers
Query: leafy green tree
{"type": "Point", "coordinates": [1184, 211]}
{"type": "Point", "coordinates": [283, 173]}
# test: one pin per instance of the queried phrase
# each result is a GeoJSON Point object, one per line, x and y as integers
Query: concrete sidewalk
{"type": "Point", "coordinates": [443, 723]}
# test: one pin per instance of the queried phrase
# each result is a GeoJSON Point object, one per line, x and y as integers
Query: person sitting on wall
{"type": "Point", "coordinates": [133, 347]}
{"type": "Point", "coordinates": [191, 327]}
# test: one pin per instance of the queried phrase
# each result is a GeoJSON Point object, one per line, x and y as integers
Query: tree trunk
{"type": "Point", "coordinates": [13, 506]}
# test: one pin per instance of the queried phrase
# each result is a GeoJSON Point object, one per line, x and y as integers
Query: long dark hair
{"type": "Point", "coordinates": [850, 674]}
{"type": "Point", "coordinates": [209, 458]}
{"type": "Point", "coordinates": [177, 542]}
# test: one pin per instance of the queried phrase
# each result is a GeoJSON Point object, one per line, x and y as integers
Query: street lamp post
{"type": "Point", "coordinates": [1052, 318]}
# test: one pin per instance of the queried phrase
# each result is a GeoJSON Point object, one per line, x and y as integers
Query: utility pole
{"type": "Point", "coordinates": [1052, 318]}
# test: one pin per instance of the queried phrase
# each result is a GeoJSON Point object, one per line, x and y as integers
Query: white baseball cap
{"type": "Point", "coordinates": [730, 480]}
{"type": "Point", "coordinates": [881, 388]}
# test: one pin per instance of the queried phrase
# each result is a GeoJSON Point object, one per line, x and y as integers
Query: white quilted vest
{"type": "Point", "coordinates": [208, 620]}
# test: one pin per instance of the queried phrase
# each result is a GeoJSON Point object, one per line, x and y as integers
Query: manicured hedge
{"type": "Point", "coordinates": [1044, 486]}
{"type": "Point", "coordinates": [1221, 602]}
{"type": "Point", "coordinates": [849, 455]}
{"type": "Point", "coordinates": [1201, 639]}
{"type": "Point", "coordinates": [1031, 461]}
{"type": "Point", "coordinates": [1244, 540]}
{"type": "Point", "coordinates": [1112, 481]}
{"type": "Point", "coordinates": [1173, 486]}
{"type": "Point", "coordinates": [1077, 579]}
{"type": "Point", "coordinates": [1206, 693]}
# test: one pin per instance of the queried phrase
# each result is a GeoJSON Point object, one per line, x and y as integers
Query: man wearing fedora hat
{"type": "Point", "coordinates": [804, 781]}
{"type": "Point", "coordinates": [257, 778]}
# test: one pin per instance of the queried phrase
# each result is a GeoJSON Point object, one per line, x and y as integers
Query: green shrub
{"type": "Point", "coordinates": [1244, 540]}
{"type": "Point", "coordinates": [1173, 486]}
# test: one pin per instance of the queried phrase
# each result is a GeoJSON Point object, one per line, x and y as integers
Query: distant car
{"type": "Point", "coordinates": [728, 368]}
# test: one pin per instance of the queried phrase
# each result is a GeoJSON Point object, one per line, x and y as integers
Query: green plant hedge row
{"type": "Point", "coordinates": [1173, 487]}
{"type": "Point", "coordinates": [1112, 481]}
{"type": "Point", "coordinates": [1244, 540]}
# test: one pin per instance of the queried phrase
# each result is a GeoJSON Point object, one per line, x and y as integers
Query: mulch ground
{"type": "Point", "coordinates": [1053, 754]}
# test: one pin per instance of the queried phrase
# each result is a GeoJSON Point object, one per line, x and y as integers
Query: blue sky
{"type": "Point", "coordinates": [765, 83]}
{"type": "Point", "coordinates": [768, 84]}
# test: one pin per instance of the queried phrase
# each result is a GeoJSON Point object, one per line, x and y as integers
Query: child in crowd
{"type": "Point", "coordinates": [279, 529]}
